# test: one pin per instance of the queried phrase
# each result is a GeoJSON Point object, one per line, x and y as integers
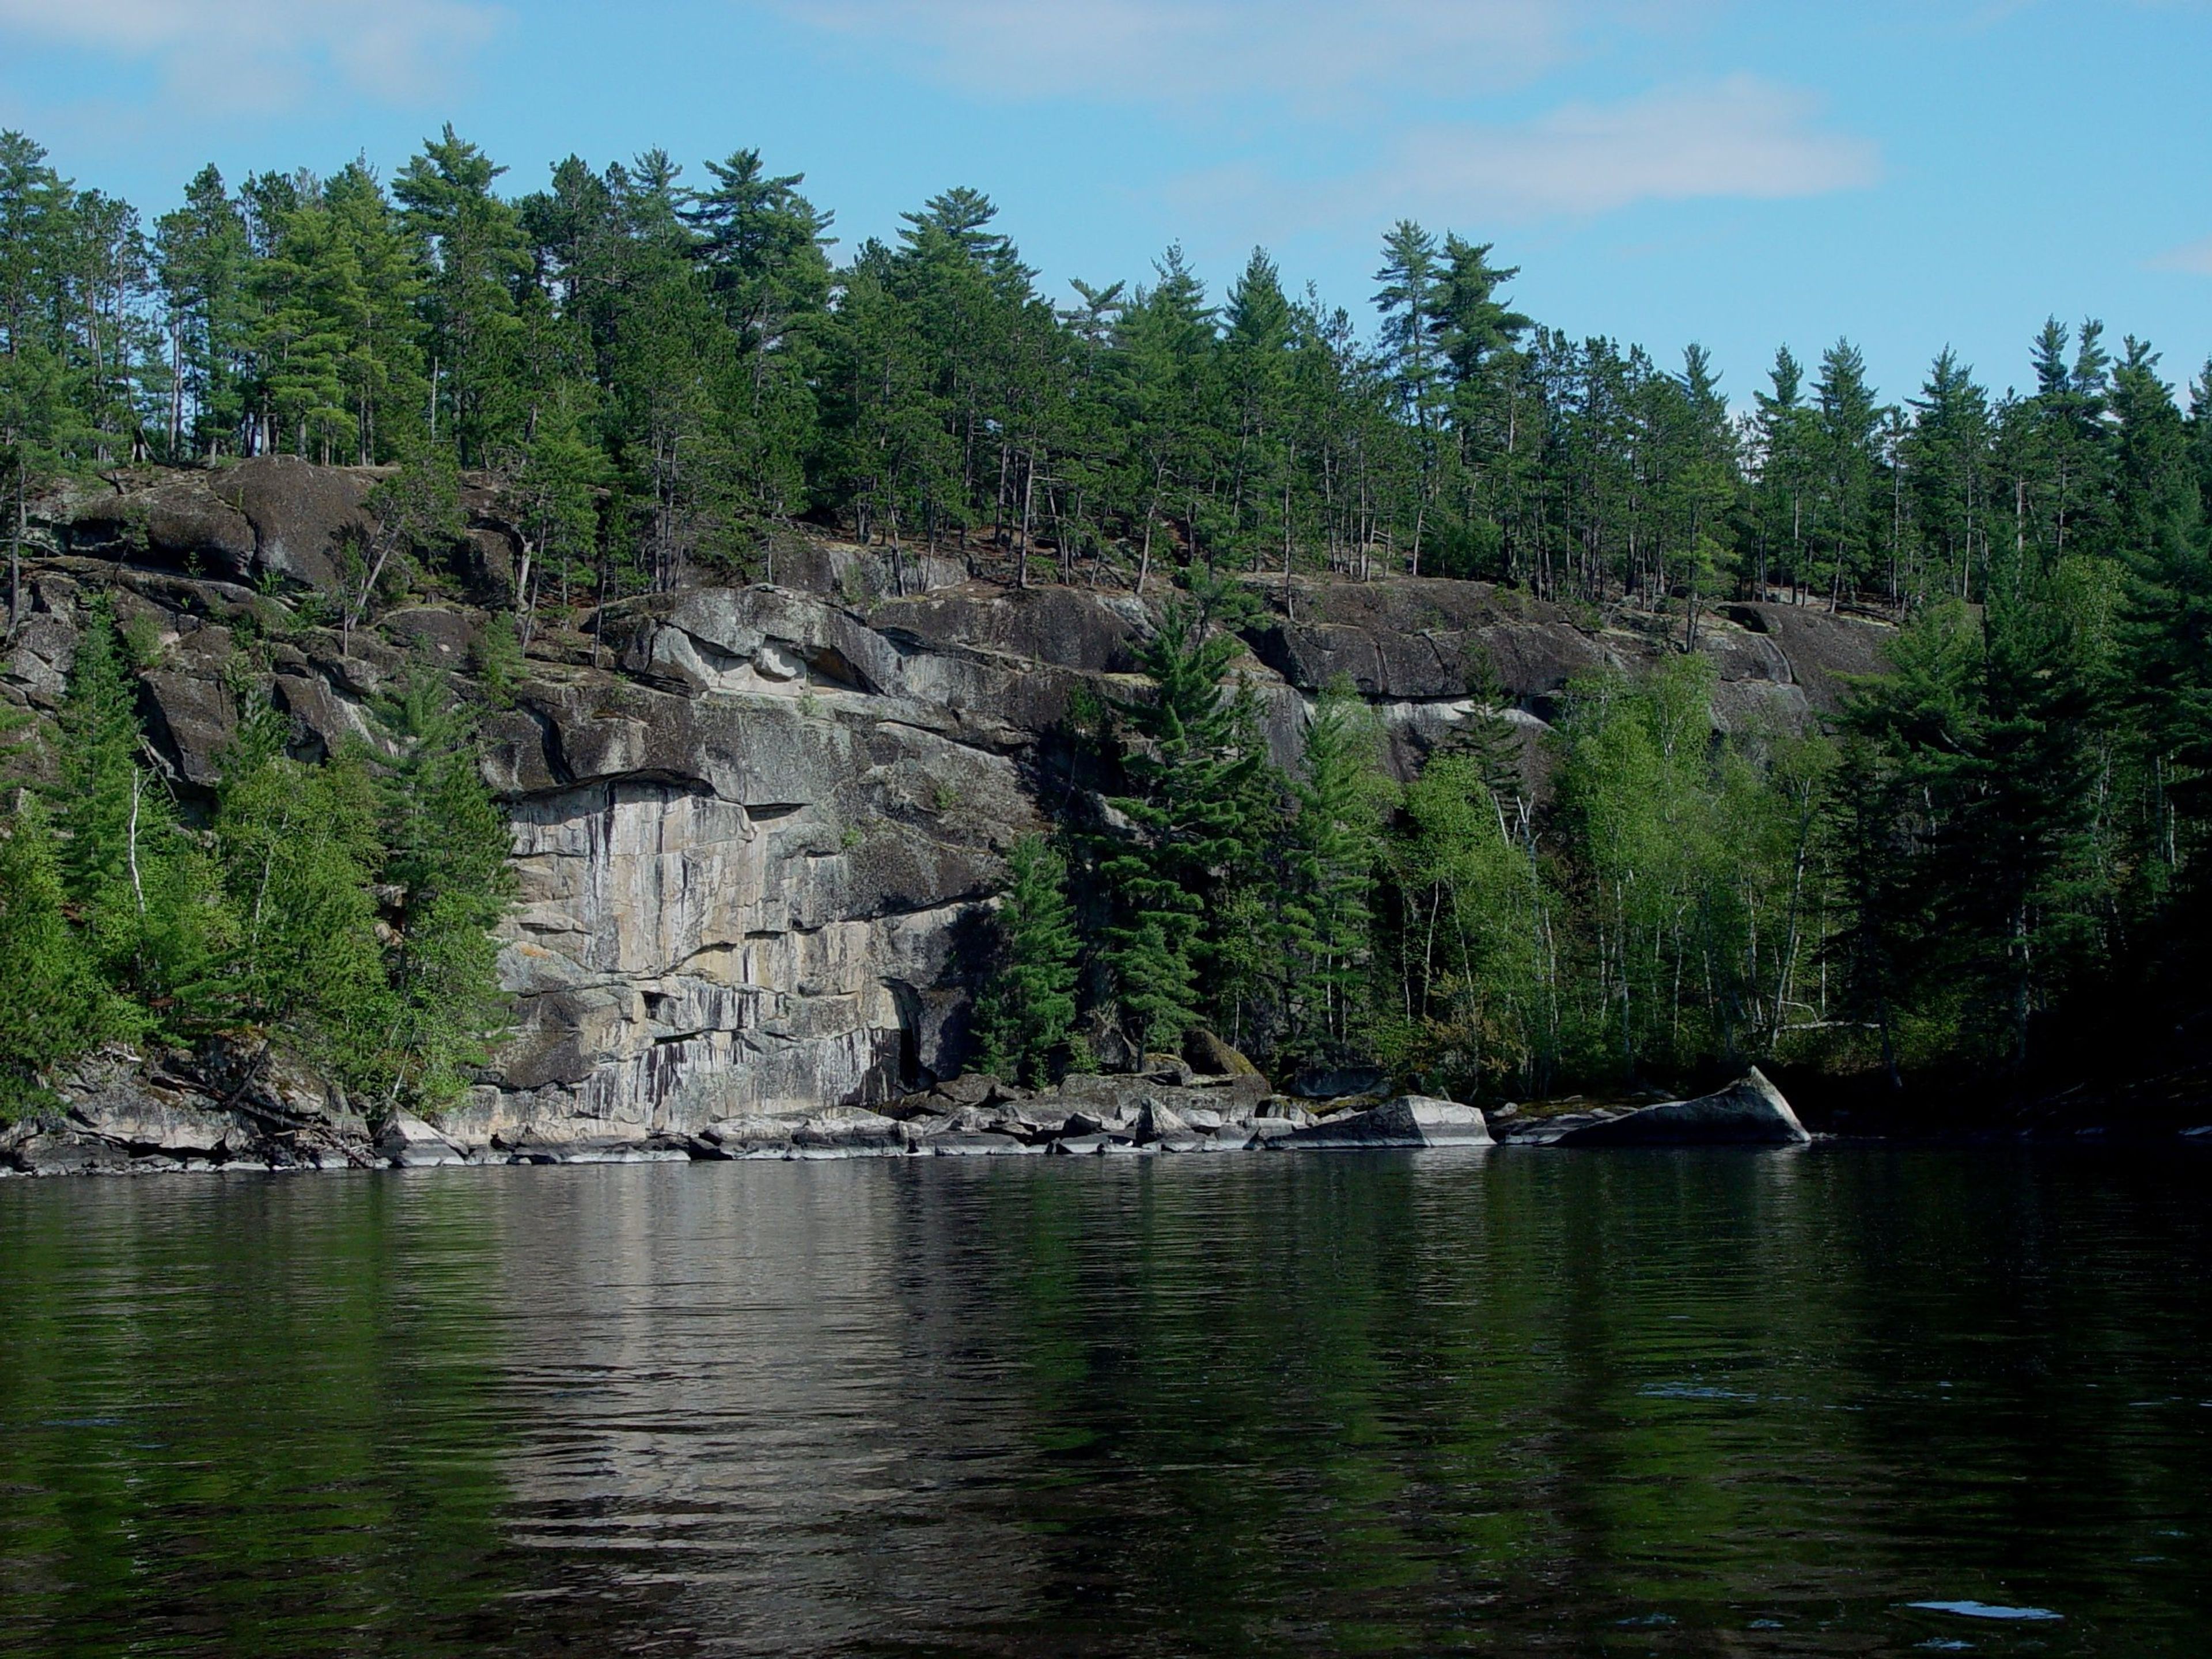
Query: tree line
{"type": "Point", "coordinates": [1991, 869]}
{"type": "Point", "coordinates": [1997, 843]}
{"type": "Point", "coordinates": [655, 369]}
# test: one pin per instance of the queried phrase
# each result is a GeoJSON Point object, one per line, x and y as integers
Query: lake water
{"type": "Point", "coordinates": [1521, 1402]}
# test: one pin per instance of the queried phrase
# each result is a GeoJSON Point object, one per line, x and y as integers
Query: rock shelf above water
{"type": "Point", "coordinates": [276, 1119]}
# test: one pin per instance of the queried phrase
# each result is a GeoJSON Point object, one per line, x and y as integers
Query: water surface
{"type": "Point", "coordinates": [1526, 1402]}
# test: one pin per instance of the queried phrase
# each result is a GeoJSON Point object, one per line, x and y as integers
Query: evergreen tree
{"type": "Point", "coordinates": [446, 842]}
{"type": "Point", "coordinates": [201, 256]}
{"type": "Point", "coordinates": [1330, 849]}
{"type": "Point", "coordinates": [1026, 1013]}
{"type": "Point", "coordinates": [471, 244]}
{"type": "Point", "coordinates": [297, 848]}
{"type": "Point", "coordinates": [1193, 759]}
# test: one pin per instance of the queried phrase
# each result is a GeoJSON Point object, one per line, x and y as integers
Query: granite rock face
{"type": "Point", "coordinates": [758, 829]}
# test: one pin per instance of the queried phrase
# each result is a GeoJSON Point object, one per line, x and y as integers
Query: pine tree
{"type": "Point", "coordinates": [472, 243]}
{"type": "Point", "coordinates": [103, 796]}
{"type": "Point", "coordinates": [201, 256]}
{"type": "Point", "coordinates": [1025, 1016]}
{"type": "Point", "coordinates": [446, 845]}
{"type": "Point", "coordinates": [1193, 759]}
{"type": "Point", "coordinates": [1330, 849]}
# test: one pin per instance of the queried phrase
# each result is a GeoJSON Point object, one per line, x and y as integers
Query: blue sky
{"type": "Point", "coordinates": [1907, 174]}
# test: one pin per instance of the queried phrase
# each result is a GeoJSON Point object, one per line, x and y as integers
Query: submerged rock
{"type": "Point", "coordinates": [1750, 1112]}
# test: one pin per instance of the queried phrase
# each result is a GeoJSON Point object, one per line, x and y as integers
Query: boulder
{"type": "Point", "coordinates": [1171, 1069]}
{"type": "Point", "coordinates": [969, 1089]}
{"type": "Point", "coordinates": [1750, 1112]}
{"type": "Point", "coordinates": [1209, 1057]}
{"type": "Point", "coordinates": [848, 1129]}
{"type": "Point", "coordinates": [1156, 1121]}
{"type": "Point", "coordinates": [750, 1136]}
{"type": "Point", "coordinates": [406, 1142]}
{"type": "Point", "coordinates": [1407, 1120]}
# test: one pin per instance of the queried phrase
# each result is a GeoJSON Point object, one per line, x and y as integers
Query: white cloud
{"type": "Point", "coordinates": [2194, 258]}
{"type": "Point", "coordinates": [1739, 138]}
{"type": "Point", "coordinates": [1169, 51]}
{"type": "Point", "coordinates": [270, 53]}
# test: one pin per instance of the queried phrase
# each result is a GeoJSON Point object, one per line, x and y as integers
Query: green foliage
{"type": "Point", "coordinates": [1473, 1003]}
{"type": "Point", "coordinates": [136, 882]}
{"type": "Point", "coordinates": [1331, 845]}
{"type": "Point", "coordinates": [297, 847]}
{"type": "Point", "coordinates": [347, 905]}
{"type": "Point", "coordinates": [1025, 1015]}
{"type": "Point", "coordinates": [651, 375]}
{"type": "Point", "coordinates": [53, 1004]}
{"type": "Point", "coordinates": [495, 656]}
{"type": "Point", "coordinates": [1683, 877]}
{"type": "Point", "coordinates": [1196, 810]}
{"type": "Point", "coordinates": [445, 844]}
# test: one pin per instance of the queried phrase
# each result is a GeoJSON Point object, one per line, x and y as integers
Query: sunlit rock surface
{"type": "Point", "coordinates": [758, 828]}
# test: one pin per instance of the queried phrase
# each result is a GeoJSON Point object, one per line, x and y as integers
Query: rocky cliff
{"type": "Point", "coordinates": [755, 826]}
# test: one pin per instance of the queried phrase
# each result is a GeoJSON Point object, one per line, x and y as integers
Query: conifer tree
{"type": "Point", "coordinates": [445, 844]}
{"type": "Point", "coordinates": [1192, 758]}
{"type": "Point", "coordinates": [1025, 1015]}
{"type": "Point", "coordinates": [472, 246]}
{"type": "Point", "coordinates": [1330, 848]}
{"type": "Point", "coordinates": [110, 816]}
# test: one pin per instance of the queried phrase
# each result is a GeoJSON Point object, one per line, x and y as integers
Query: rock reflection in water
{"type": "Point", "coordinates": [1756, 1402]}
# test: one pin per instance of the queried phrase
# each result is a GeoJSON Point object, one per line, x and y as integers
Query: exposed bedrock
{"type": "Point", "coordinates": [757, 829]}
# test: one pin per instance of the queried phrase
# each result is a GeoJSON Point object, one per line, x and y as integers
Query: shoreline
{"type": "Point", "coordinates": [1174, 1115]}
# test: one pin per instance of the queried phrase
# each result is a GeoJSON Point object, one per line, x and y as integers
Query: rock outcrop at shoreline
{"type": "Point", "coordinates": [1750, 1112]}
{"type": "Point", "coordinates": [125, 1116]}
{"type": "Point", "coordinates": [756, 828]}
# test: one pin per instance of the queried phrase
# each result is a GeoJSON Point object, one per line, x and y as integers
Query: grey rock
{"type": "Point", "coordinates": [1209, 1057]}
{"type": "Point", "coordinates": [849, 1129]}
{"type": "Point", "coordinates": [1156, 1121]}
{"type": "Point", "coordinates": [755, 828]}
{"type": "Point", "coordinates": [1408, 1121]}
{"type": "Point", "coordinates": [1750, 1112]}
{"type": "Point", "coordinates": [960, 1144]}
{"type": "Point", "coordinates": [969, 1090]}
{"type": "Point", "coordinates": [406, 1142]}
